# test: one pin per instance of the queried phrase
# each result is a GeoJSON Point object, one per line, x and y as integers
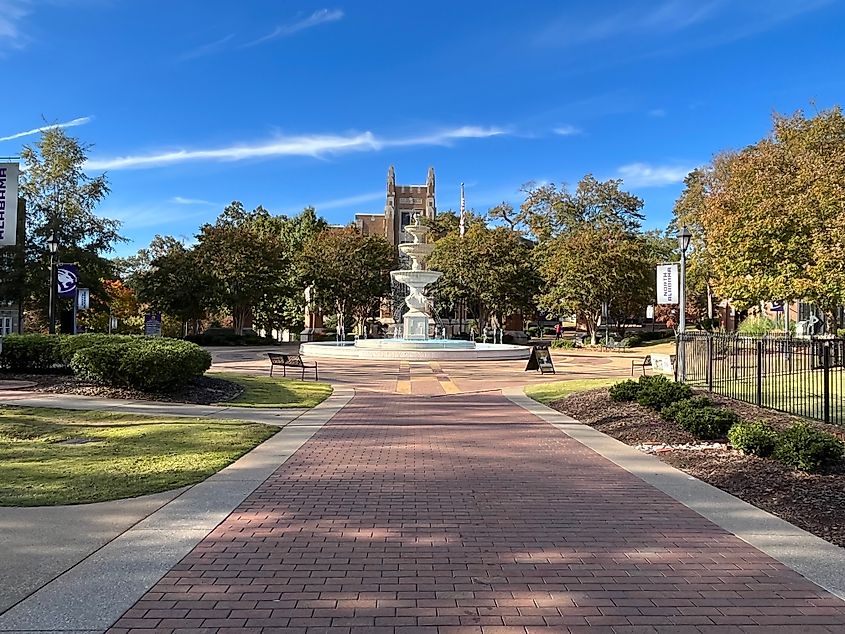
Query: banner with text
{"type": "Point", "coordinates": [67, 276]}
{"type": "Point", "coordinates": [8, 204]}
{"type": "Point", "coordinates": [667, 284]}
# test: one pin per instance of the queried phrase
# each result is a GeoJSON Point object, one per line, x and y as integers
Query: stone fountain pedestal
{"type": "Point", "coordinates": [415, 322]}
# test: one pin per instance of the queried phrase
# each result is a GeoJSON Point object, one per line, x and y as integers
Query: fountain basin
{"type": "Point", "coordinates": [414, 350]}
{"type": "Point", "coordinates": [416, 279]}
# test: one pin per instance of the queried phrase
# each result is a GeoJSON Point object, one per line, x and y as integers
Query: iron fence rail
{"type": "Point", "coordinates": [800, 376]}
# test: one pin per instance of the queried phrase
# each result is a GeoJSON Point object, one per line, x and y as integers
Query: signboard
{"type": "Point", "coordinates": [8, 204]}
{"type": "Point", "coordinates": [83, 298]}
{"type": "Point", "coordinates": [541, 359]}
{"type": "Point", "coordinates": [662, 363]}
{"type": "Point", "coordinates": [649, 312]}
{"type": "Point", "coordinates": [667, 284]}
{"type": "Point", "coordinates": [777, 306]}
{"type": "Point", "coordinates": [68, 280]}
{"type": "Point", "coordinates": [152, 324]}
{"type": "Point", "coordinates": [112, 323]}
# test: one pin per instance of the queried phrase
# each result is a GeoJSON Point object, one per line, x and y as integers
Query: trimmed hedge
{"type": "Point", "coordinates": [702, 420]}
{"type": "Point", "coordinates": [807, 448]}
{"type": "Point", "coordinates": [658, 392]}
{"type": "Point", "coordinates": [144, 364]}
{"type": "Point", "coordinates": [29, 353]}
{"type": "Point", "coordinates": [758, 439]}
{"type": "Point", "coordinates": [624, 391]}
{"type": "Point", "coordinates": [563, 343]}
{"type": "Point", "coordinates": [69, 345]}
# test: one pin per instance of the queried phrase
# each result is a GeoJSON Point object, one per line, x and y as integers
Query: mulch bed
{"type": "Point", "coordinates": [200, 391]}
{"type": "Point", "coordinates": [814, 502]}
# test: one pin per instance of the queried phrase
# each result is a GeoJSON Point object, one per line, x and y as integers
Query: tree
{"type": "Point", "coordinates": [350, 271]}
{"type": "Point", "coordinates": [592, 266]}
{"type": "Point", "coordinates": [61, 199]}
{"type": "Point", "coordinates": [245, 257]}
{"type": "Point", "coordinates": [175, 282]}
{"type": "Point", "coordinates": [489, 268]}
{"type": "Point", "coordinates": [769, 214]}
{"type": "Point", "coordinates": [549, 211]}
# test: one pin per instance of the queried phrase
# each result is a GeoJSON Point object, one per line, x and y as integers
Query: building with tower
{"type": "Point", "coordinates": [401, 204]}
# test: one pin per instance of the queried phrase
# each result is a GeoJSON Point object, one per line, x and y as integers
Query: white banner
{"type": "Point", "coordinates": [8, 204]}
{"type": "Point", "coordinates": [83, 298]}
{"type": "Point", "coordinates": [667, 284]}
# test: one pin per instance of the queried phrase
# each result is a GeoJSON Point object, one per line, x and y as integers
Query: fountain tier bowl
{"type": "Point", "coordinates": [414, 350]}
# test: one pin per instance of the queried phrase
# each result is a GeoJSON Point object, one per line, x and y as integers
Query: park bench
{"type": "Point", "coordinates": [645, 363]}
{"type": "Point", "coordinates": [290, 361]}
{"type": "Point", "coordinates": [610, 346]}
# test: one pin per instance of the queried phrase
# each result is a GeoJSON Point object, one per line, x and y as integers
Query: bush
{"type": "Point", "coordinates": [658, 392]}
{"type": "Point", "coordinates": [624, 391]}
{"type": "Point", "coordinates": [563, 343]}
{"type": "Point", "coordinates": [672, 411]}
{"type": "Point", "coordinates": [807, 448]}
{"type": "Point", "coordinates": [758, 325]}
{"type": "Point", "coordinates": [69, 345]}
{"type": "Point", "coordinates": [702, 420]}
{"type": "Point", "coordinates": [758, 439]}
{"type": "Point", "coordinates": [144, 364]}
{"type": "Point", "coordinates": [29, 353]}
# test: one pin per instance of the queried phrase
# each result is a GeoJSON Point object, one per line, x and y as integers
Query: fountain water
{"type": "Point", "coordinates": [414, 342]}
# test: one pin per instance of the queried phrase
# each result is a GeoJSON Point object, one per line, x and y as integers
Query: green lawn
{"type": "Point", "coordinates": [130, 455]}
{"type": "Point", "coordinates": [546, 393]}
{"type": "Point", "coordinates": [264, 391]}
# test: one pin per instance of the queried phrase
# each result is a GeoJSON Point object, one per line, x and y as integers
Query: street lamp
{"type": "Point", "coordinates": [53, 247]}
{"type": "Point", "coordinates": [684, 237]}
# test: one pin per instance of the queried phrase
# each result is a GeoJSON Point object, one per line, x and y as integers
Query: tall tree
{"type": "Point", "coordinates": [350, 271]}
{"type": "Point", "coordinates": [62, 198]}
{"type": "Point", "coordinates": [245, 257]}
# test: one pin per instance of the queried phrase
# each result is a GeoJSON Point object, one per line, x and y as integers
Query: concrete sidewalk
{"type": "Point", "coordinates": [92, 561]}
{"type": "Point", "coordinates": [280, 416]}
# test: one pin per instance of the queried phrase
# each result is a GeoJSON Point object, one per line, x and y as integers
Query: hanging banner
{"type": "Point", "coordinates": [68, 280]}
{"type": "Point", "coordinates": [8, 204]}
{"type": "Point", "coordinates": [83, 299]}
{"type": "Point", "coordinates": [667, 284]}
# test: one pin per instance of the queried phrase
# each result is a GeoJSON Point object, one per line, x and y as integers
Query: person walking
{"type": "Point", "coordinates": [558, 330]}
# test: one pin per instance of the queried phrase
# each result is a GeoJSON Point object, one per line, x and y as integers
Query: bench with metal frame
{"type": "Point", "coordinates": [290, 361]}
{"type": "Point", "coordinates": [645, 363]}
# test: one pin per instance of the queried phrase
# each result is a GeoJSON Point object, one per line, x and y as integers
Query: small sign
{"type": "Point", "coordinates": [649, 312]}
{"type": "Point", "coordinates": [152, 324]}
{"type": "Point", "coordinates": [113, 323]}
{"type": "Point", "coordinates": [662, 363]}
{"type": "Point", "coordinates": [83, 299]}
{"type": "Point", "coordinates": [667, 284]}
{"type": "Point", "coordinates": [8, 204]}
{"type": "Point", "coordinates": [68, 279]}
{"type": "Point", "coordinates": [541, 359]}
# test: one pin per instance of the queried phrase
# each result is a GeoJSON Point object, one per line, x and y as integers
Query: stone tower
{"type": "Point", "coordinates": [403, 201]}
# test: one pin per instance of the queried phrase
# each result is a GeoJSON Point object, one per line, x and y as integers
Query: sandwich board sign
{"type": "Point", "coordinates": [541, 359]}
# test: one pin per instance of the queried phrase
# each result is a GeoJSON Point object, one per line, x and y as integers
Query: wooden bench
{"type": "Point", "coordinates": [645, 363]}
{"type": "Point", "coordinates": [290, 361]}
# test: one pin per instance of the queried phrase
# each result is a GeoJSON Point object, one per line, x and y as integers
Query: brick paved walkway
{"type": "Point", "coordinates": [469, 515]}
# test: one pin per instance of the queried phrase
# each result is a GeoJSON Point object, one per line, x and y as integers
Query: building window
{"type": "Point", "coordinates": [5, 326]}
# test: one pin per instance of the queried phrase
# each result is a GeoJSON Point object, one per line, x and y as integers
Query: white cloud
{"type": "Point", "coordinates": [181, 200]}
{"type": "Point", "coordinates": [322, 16]}
{"type": "Point", "coordinates": [313, 146]}
{"type": "Point", "coordinates": [645, 175]}
{"type": "Point", "coordinates": [207, 49]}
{"type": "Point", "coordinates": [52, 126]}
{"type": "Point", "coordinates": [12, 13]}
{"type": "Point", "coordinates": [350, 201]}
{"type": "Point", "coordinates": [657, 112]}
{"type": "Point", "coordinates": [567, 130]}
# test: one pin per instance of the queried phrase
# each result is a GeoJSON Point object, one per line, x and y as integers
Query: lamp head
{"type": "Point", "coordinates": [53, 243]}
{"type": "Point", "coordinates": [684, 237]}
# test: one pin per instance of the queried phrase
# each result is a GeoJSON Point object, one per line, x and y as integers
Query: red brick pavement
{"type": "Point", "coordinates": [466, 514]}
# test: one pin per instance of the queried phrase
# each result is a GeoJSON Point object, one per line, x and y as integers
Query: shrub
{"type": "Point", "coordinates": [144, 364]}
{"type": "Point", "coordinates": [758, 439]}
{"type": "Point", "coordinates": [563, 343]}
{"type": "Point", "coordinates": [758, 325]}
{"type": "Point", "coordinates": [671, 412]}
{"type": "Point", "coordinates": [624, 391]}
{"type": "Point", "coordinates": [807, 448]}
{"type": "Point", "coordinates": [658, 392]}
{"type": "Point", "coordinates": [69, 345]}
{"type": "Point", "coordinates": [705, 422]}
{"type": "Point", "coordinates": [29, 353]}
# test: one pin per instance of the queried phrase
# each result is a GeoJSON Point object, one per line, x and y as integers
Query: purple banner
{"type": "Point", "coordinates": [68, 280]}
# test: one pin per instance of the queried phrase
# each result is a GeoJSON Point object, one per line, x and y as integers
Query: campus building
{"type": "Point", "coordinates": [401, 204]}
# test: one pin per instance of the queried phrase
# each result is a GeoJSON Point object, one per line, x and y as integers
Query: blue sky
{"type": "Point", "coordinates": [190, 104]}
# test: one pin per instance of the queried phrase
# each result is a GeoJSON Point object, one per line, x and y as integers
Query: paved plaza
{"type": "Point", "coordinates": [432, 501]}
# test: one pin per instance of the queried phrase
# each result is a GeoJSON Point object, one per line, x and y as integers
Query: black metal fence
{"type": "Point", "coordinates": [805, 377]}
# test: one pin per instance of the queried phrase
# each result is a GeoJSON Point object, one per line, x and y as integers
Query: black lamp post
{"type": "Point", "coordinates": [53, 246]}
{"type": "Point", "coordinates": [684, 237]}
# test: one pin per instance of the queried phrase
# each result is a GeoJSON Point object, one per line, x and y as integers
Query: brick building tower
{"type": "Point", "coordinates": [403, 201]}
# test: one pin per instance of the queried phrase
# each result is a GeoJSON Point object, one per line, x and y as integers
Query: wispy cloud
{"type": "Point", "coordinates": [645, 175]}
{"type": "Point", "coordinates": [317, 18]}
{"type": "Point", "coordinates": [67, 124]}
{"type": "Point", "coordinates": [12, 13]}
{"type": "Point", "coordinates": [311, 145]}
{"type": "Point", "coordinates": [657, 112]}
{"type": "Point", "coordinates": [207, 49]}
{"type": "Point", "coordinates": [181, 200]}
{"type": "Point", "coordinates": [349, 201]}
{"type": "Point", "coordinates": [567, 130]}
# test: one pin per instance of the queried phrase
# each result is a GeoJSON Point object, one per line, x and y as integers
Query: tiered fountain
{"type": "Point", "coordinates": [415, 342]}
